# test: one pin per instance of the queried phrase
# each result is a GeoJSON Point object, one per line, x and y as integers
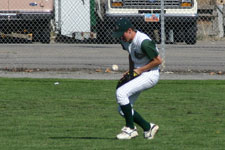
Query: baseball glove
{"type": "Point", "coordinates": [126, 78]}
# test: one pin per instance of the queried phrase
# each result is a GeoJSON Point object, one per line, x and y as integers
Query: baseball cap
{"type": "Point", "coordinates": [122, 25]}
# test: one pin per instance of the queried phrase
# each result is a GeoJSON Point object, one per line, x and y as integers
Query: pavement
{"type": "Point", "coordinates": [205, 60]}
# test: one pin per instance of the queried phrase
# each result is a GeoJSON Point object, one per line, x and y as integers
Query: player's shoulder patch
{"type": "Point", "coordinates": [139, 55]}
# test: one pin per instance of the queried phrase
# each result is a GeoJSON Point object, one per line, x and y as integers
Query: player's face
{"type": "Point", "coordinates": [127, 36]}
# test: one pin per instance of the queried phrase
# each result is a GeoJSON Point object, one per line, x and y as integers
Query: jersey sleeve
{"type": "Point", "coordinates": [148, 47]}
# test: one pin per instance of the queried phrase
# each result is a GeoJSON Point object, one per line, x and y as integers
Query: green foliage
{"type": "Point", "coordinates": [82, 114]}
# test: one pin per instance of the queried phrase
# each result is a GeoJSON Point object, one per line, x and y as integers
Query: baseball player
{"type": "Point", "coordinates": [144, 61]}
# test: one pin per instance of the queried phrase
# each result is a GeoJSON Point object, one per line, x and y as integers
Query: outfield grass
{"type": "Point", "coordinates": [36, 114]}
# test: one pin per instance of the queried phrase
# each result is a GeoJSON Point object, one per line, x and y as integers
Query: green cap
{"type": "Point", "coordinates": [122, 25]}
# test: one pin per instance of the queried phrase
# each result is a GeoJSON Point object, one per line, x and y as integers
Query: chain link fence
{"type": "Point", "coordinates": [92, 21]}
{"type": "Point", "coordinates": [26, 21]}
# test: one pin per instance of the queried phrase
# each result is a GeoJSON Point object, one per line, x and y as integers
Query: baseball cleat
{"type": "Point", "coordinates": [127, 133]}
{"type": "Point", "coordinates": [151, 133]}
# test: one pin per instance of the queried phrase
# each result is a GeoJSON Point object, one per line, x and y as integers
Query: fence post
{"type": "Point", "coordinates": [163, 35]}
{"type": "Point", "coordinates": [59, 15]}
{"type": "Point", "coordinates": [220, 17]}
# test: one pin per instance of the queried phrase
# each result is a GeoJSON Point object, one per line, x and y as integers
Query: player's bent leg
{"type": "Point", "coordinates": [122, 96]}
{"type": "Point", "coordinates": [145, 81]}
{"type": "Point", "coordinates": [137, 119]}
{"type": "Point", "coordinates": [132, 99]}
{"type": "Point", "coordinates": [131, 88]}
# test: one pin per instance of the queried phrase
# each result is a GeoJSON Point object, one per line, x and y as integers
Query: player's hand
{"type": "Point", "coordinates": [138, 71]}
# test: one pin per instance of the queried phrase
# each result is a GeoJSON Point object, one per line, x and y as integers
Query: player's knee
{"type": "Point", "coordinates": [122, 97]}
{"type": "Point", "coordinates": [120, 93]}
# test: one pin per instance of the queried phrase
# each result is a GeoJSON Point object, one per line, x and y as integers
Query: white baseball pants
{"type": "Point", "coordinates": [129, 92]}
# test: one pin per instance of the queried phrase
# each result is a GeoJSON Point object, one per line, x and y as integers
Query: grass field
{"type": "Point", "coordinates": [36, 114]}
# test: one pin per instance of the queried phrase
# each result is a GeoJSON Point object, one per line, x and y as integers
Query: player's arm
{"type": "Point", "coordinates": [149, 48]}
{"type": "Point", "coordinates": [155, 62]}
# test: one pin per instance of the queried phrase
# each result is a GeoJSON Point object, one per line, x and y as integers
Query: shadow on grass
{"type": "Point", "coordinates": [82, 138]}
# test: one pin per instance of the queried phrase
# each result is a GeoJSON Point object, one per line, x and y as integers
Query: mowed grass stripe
{"type": "Point", "coordinates": [82, 114]}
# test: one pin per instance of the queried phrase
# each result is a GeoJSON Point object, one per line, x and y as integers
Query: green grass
{"type": "Point", "coordinates": [35, 114]}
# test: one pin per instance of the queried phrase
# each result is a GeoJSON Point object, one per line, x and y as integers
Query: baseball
{"type": "Point", "coordinates": [115, 67]}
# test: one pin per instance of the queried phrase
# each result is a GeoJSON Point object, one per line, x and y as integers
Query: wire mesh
{"type": "Point", "coordinates": [92, 21]}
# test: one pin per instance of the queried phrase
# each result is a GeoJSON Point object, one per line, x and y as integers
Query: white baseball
{"type": "Point", "coordinates": [115, 67]}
